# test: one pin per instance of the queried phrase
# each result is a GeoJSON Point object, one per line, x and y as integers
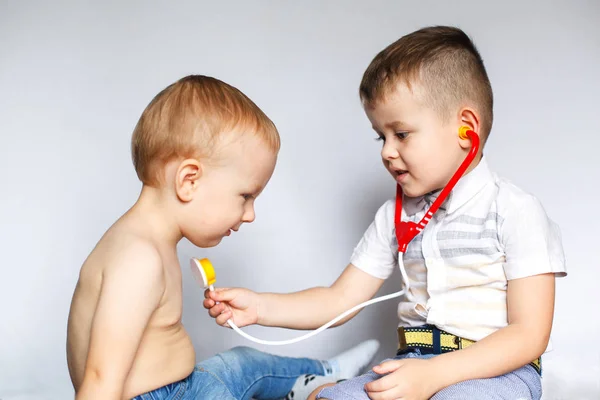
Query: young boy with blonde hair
{"type": "Point", "coordinates": [204, 152]}
{"type": "Point", "coordinates": [478, 312]}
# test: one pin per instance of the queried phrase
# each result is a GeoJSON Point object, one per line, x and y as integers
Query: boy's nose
{"type": "Point", "coordinates": [389, 152]}
{"type": "Point", "coordinates": [249, 216]}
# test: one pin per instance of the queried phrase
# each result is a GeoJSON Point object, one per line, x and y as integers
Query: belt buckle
{"type": "Point", "coordinates": [458, 342]}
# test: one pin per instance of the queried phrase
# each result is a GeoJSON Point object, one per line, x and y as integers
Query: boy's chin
{"type": "Point", "coordinates": [206, 242]}
{"type": "Point", "coordinates": [412, 191]}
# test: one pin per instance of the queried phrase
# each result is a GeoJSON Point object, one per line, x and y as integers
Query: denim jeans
{"type": "Point", "coordinates": [523, 383]}
{"type": "Point", "coordinates": [241, 373]}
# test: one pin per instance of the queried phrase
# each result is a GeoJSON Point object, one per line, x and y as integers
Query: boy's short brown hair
{"type": "Point", "coordinates": [444, 61]}
{"type": "Point", "coordinates": [186, 118]}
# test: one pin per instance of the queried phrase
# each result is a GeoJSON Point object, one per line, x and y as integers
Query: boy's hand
{"type": "Point", "coordinates": [409, 379]}
{"type": "Point", "coordinates": [240, 305]}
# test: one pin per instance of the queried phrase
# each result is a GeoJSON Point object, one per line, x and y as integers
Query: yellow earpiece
{"type": "Point", "coordinates": [209, 271]}
{"type": "Point", "coordinates": [462, 132]}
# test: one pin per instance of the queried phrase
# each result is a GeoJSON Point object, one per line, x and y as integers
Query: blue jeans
{"type": "Point", "coordinates": [523, 383]}
{"type": "Point", "coordinates": [239, 374]}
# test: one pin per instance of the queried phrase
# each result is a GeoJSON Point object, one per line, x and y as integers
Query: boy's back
{"type": "Point", "coordinates": [165, 352]}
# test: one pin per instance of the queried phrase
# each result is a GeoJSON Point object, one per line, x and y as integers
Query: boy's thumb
{"type": "Point", "coordinates": [223, 294]}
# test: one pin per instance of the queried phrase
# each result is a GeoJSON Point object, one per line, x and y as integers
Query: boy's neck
{"type": "Point", "coordinates": [470, 168]}
{"type": "Point", "coordinates": [152, 212]}
{"type": "Point", "coordinates": [474, 163]}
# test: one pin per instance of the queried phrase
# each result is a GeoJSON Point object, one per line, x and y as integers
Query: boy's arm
{"type": "Point", "coordinates": [530, 313]}
{"type": "Point", "coordinates": [132, 287]}
{"type": "Point", "coordinates": [307, 309]}
{"type": "Point", "coordinates": [311, 308]}
{"type": "Point", "coordinates": [376, 254]}
{"type": "Point", "coordinates": [530, 304]}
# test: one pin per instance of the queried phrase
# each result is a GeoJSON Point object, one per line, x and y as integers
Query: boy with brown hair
{"type": "Point", "coordinates": [478, 308]}
{"type": "Point", "coordinates": [204, 152]}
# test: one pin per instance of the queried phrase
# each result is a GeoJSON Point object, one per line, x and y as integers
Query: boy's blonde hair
{"type": "Point", "coordinates": [186, 118]}
{"type": "Point", "coordinates": [447, 65]}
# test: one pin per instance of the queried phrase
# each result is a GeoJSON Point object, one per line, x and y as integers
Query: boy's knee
{"type": "Point", "coordinates": [315, 392]}
{"type": "Point", "coordinates": [231, 360]}
{"type": "Point", "coordinates": [243, 360]}
{"type": "Point", "coordinates": [243, 351]}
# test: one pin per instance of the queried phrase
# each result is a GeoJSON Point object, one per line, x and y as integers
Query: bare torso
{"type": "Point", "coordinates": [165, 353]}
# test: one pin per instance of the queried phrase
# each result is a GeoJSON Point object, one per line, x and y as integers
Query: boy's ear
{"type": "Point", "coordinates": [468, 117]}
{"type": "Point", "coordinates": [186, 179]}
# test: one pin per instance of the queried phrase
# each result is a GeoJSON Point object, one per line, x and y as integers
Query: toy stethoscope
{"type": "Point", "coordinates": [406, 231]}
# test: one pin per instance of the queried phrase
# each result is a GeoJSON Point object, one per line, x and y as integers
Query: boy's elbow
{"type": "Point", "coordinates": [346, 319]}
{"type": "Point", "coordinates": [97, 385]}
{"type": "Point", "coordinates": [539, 339]}
{"type": "Point", "coordinates": [541, 344]}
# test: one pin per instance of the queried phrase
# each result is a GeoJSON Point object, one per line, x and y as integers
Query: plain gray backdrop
{"type": "Point", "coordinates": [74, 78]}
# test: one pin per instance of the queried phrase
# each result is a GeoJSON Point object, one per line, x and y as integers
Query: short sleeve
{"type": "Point", "coordinates": [377, 251]}
{"type": "Point", "coordinates": [532, 242]}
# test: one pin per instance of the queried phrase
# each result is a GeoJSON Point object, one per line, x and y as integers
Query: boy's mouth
{"type": "Point", "coordinates": [399, 174]}
{"type": "Point", "coordinates": [398, 171]}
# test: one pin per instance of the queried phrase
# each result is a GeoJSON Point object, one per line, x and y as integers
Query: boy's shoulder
{"type": "Point", "coordinates": [524, 218]}
{"type": "Point", "coordinates": [515, 201]}
{"type": "Point", "coordinates": [124, 248]}
{"type": "Point", "coordinates": [384, 216]}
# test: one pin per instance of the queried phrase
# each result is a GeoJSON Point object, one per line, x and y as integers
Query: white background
{"type": "Point", "coordinates": [74, 78]}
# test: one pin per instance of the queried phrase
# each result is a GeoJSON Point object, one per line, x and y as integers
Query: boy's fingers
{"type": "Point", "coordinates": [223, 294]}
{"type": "Point", "coordinates": [217, 310]}
{"type": "Point", "coordinates": [222, 318]}
{"type": "Point", "coordinates": [380, 385]}
{"type": "Point", "coordinates": [207, 292]}
{"type": "Point", "coordinates": [208, 303]}
{"type": "Point", "coordinates": [388, 366]}
{"type": "Point", "coordinates": [393, 393]}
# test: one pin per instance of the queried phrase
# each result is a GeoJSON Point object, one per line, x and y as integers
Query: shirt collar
{"type": "Point", "coordinates": [466, 188]}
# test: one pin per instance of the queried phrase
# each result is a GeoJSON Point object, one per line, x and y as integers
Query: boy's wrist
{"type": "Point", "coordinates": [442, 374]}
{"type": "Point", "coordinates": [269, 310]}
{"type": "Point", "coordinates": [261, 309]}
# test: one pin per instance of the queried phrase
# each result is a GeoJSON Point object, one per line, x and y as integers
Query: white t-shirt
{"type": "Point", "coordinates": [488, 231]}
